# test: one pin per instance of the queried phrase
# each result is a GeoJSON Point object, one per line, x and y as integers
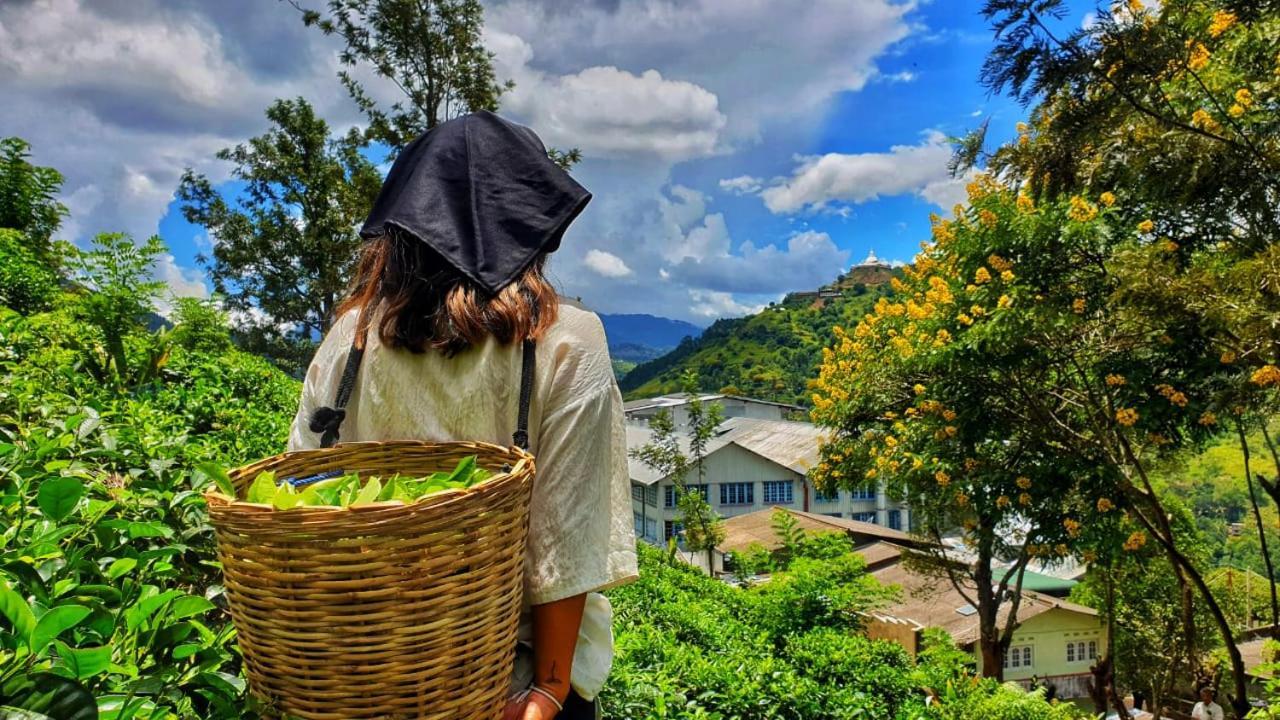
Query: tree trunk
{"type": "Point", "coordinates": [989, 641]}
{"type": "Point", "coordinates": [1262, 531]}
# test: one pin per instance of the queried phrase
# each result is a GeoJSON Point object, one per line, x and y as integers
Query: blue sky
{"type": "Point", "coordinates": [737, 149]}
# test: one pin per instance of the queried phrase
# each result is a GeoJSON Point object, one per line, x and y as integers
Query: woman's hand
{"type": "Point", "coordinates": [530, 706]}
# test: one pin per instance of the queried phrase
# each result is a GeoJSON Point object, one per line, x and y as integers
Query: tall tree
{"type": "Point", "coordinates": [28, 196]}
{"type": "Point", "coordinates": [430, 49]}
{"type": "Point", "coordinates": [703, 529]}
{"type": "Point", "coordinates": [284, 248]}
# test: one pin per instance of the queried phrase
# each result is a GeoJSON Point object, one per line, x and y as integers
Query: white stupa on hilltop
{"type": "Point", "coordinates": [872, 261]}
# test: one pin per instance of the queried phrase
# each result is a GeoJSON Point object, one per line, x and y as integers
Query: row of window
{"type": "Point", "coordinates": [776, 492]}
{"type": "Point", "coordinates": [1080, 651]}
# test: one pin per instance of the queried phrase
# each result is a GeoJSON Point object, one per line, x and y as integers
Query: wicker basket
{"type": "Point", "coordinates": [385, 610]}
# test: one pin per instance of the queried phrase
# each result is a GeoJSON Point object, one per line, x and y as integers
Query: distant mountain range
{"type": "Point", "coordinates": [638, 338]}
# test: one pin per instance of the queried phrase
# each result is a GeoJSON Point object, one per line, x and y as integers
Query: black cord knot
{"type": "Point", "coordinates": [326, 421]}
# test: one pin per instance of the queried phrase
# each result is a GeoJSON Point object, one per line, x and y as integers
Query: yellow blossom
{"type": "Point", "coordinates": [1244, 98]}
{"type": "Point", "coordinates": [977, 311]}
{"type": "Point", "coordinates": [1072, 526]}
{"type": "Point", "coordinates": [950, 430]}
{"type": "Point", "coordinates": [1136, 6]}
{"type": "Point", "coordinates": [1136, 540]}
{"type": "Point", "coordinates": [1004, 301]}
{"type": "Point", "coordinates": [1203, 120]}
{"type": "Point", "coordinates": [987, 218]}
{"type": "Point", "coordinates": [1146, 226]}
{"type": "Point", "coordinates": [964, 319]}
{"type": "Point", "coordinates": [1266, 375]}
{"type": "Point", "coordinates": [949, 415]}
{"type": "Point", "coordinates": [1024, 499]}
{"type": "Point", "coordinates": [1199, 58]}
{"type": "Point", "coordinates": [970, 464]}
{"type": "Point", "coordinates": [1126, 416]}
{"type": "Point", "coordinates": [871, 473]}
{"type": "Point", "coordinates": [1024, 482]}
{"type": "Point", "coordinates": [1006, 275]}
{"type": "Point", "coordinates": [962, 499]}
{"type": "Point", "coordinates": [1081, 210]}
{"type": "Point", "coordinates": [1170, 246]}
{"type": "Point", "coordinates": [1172, 395]}
{"type": "Point", "coordinates": [1089, 556]}
{"type": "Point", "coordinates": [942, 478]}
{"type": "Point", "coordinates": [1104, 505]}
{"type": "Point", "coordinates": [982, 276]}
{"type": "Point", "coordinates": [1115, 380]}
{"type": "Point", "coordinates": [1077, 305]}
{"type": "Point", "coordinates": [1235, 110]}
{"type": "Point", "coordinates": [1208, 419]}
{"type": "Point", "coordinates": [1002, 501]}
{"type": "Point", "coordinates": [1222, 21]}
{"type": "Point", "coordinates": [1228, 357]}
{"type": "Point", "coordinates": [918, 389]}
{"type": "Point", "coordinates": [1107, 199]}
{"type": "Point", "coordinates": [1025, 204]}
{"type": "Point", "coordinates": [998, 263]}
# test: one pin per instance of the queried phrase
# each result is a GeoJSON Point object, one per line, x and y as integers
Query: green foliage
{"type": "Point", "coordinates": [818, 592]}
{"type": "Point", "coordinates": [352, 489]}
{"type": "Point", "coordinates": [27, 283]}
{"type": "Point", "coordinates": [111, 600]}
{"type": "Point", "coordinates": [286, 247]}
{"type": "Point", "coordinates": [118, 296]}
{"type": "Point", "coordinates": [433, 52]}
{"type": "Point", "coordinates": [28, 197]}
{"type": "Point", "coordinates": [689, 647]}
{"type": "Point", "coordinates": [200, 326]}
{"type": "Point", "coordinates": [771, 355]}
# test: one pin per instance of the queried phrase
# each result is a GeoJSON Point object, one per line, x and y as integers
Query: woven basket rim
{"type": "Point", "coordinates": [523, 464]}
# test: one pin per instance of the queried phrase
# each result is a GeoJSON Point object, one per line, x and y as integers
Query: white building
{"type": "Point", "coordinates": [750, 465]}
{"type": "Point", "coordinates": [640, 412]}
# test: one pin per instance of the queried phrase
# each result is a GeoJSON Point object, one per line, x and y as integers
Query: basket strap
{"type": "Point", "coordinates": [527, 367]}
{"type": "Point", "coordinates": [328, 420]}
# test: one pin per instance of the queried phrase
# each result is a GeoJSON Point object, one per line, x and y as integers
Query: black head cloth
{"type": "Point", "coordinates": [481, 191]}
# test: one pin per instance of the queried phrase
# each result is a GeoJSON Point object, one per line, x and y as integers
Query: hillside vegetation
{"type": "Point", "coordinates": [770, 355]}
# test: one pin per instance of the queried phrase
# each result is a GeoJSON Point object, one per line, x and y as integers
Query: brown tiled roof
{"type": "Point", "coordinates": [757, 527]}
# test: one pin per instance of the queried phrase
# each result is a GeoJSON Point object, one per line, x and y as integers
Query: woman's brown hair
{"type": "Point", "coordinates": [420, 302]}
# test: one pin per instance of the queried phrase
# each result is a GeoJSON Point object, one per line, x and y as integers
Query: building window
{"type": "Point", "coordinates": [637, 493]}
{"type": "Point", "coordinates": [651, 495]}
{"type": "Point", "coordinates": [778, 492]}
{"type": "Point", "coordinates": [1018, 657]}
{"type": "Point", "coordinates": [895, 519]}
{"type": "Point", "coordinates": [1082, 651]}
{"type": "Point", "coordinates": [670, 495]}
{"type": "Point", "coordinates": [671, 529]}
{"type": "Point", "coordinates": [864, 494]}
{"type": "Point", "coordinates": [739, 493]}
{"type": "Point", "coordinates": [866, 517]}
{"type": "Point", "coordinates": [651, 529]}
{"type": "Point", "coordinates": [826, 497]}
{"type": "Point", "coordinates": [639, 520]}
{"type": "Point", "coordinates": [839, 515]}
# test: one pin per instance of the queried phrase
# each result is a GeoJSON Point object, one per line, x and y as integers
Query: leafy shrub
{"type": "Point", "coordinates": [27, 283]}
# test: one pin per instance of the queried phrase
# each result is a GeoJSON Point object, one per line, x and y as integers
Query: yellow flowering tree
{"type": "Point", "coordinates": [1012, 360]}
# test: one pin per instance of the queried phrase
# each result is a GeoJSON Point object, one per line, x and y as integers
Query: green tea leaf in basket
{"type": "Point", "coordinates": [369, 493]}
{"type": "Point", "coordinates": [219, 476]}
{"type": "Point", "coordinates": [285, 497]}
{"type": "Point", "coordinates": [263, 488]}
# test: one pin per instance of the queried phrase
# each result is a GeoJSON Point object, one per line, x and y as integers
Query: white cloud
{"type": "Point", "coordinates": [711, 305]}
{"type": "Point", "coordinates": [862, 177]}
{"type": "Point", "coordinates": [182, 282]}
{"type": "Point", "coordinates": [808, 260]}
{"type": "Point", "coordinates": [905, 76]}
{"type": "Point", "coordinates": [606, 264]}
{"type": "Point", "coordinates": [606, 111]}
{"type": "Point", "coordinates": [742, 185]}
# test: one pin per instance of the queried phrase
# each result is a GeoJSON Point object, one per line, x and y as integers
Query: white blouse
{"type": "Point", "coordinates": [580, 529]}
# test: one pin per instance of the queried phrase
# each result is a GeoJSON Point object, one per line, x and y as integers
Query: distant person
{"type": "Point", "coordinates": [1207, 709]}
{"type": "Point", "coordinates": [1139, 699]}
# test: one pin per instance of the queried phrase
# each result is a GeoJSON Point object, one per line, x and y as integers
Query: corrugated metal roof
{"type": "Point", "coordinates": [793, 445]}
{"type": "Point", "coordinates": [681, 399]}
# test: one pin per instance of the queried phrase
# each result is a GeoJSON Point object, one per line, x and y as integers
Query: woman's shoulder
{"type": "Point", "coordinates": [576, 325]}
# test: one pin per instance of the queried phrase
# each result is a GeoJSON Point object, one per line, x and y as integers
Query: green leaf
{"type": "Point", "coordinates": [54, 623]}
{"type": "Point", "coordinates": [84, 662]}
{"type": "Point", "coordinates": [285, 497]}
{"type": "Point", "coordinates": [186, 650]}
{"type": "Point", "coordinates": [219, 476]}
{"type": "Point", "coordinates": [463, 471]}
{"type": "Point", "coordinates": [121, 567]}
{"type": "Point", "coordinates": [263, 488]}
{"type": "Point", "coordinates": [369, 493]}
{"type": "Point", "coordinates": [188, 606]}
{"type": "Point", "coordinates": [51, 696]}
{"type": "Point", "coordinates": [148, 530]}
{"type": "Point", "coordinates": [15, 608]}
{"type": "Point", "coordinates": [58, 496]}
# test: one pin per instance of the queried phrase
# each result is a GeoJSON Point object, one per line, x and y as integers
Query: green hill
{"type": "Point", "coordinates": [771, 355]}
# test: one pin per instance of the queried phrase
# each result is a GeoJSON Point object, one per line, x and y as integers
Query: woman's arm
{"type": "Point", "coordinates": [555, 635]}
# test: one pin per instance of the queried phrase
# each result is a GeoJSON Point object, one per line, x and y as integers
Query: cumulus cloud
{"type": "Point", "coordinates": [862, 177]}
{"type": "Point", "coordinates": [809, 259]}
{"type": "Point", "coordinates": [606, 264]}
{"type": "Point", "coordinates": [182, 281]}
{"type": "Point", "coordinates": [742, 185]}
{"type": "Point", "coordinates": [711, 305]}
